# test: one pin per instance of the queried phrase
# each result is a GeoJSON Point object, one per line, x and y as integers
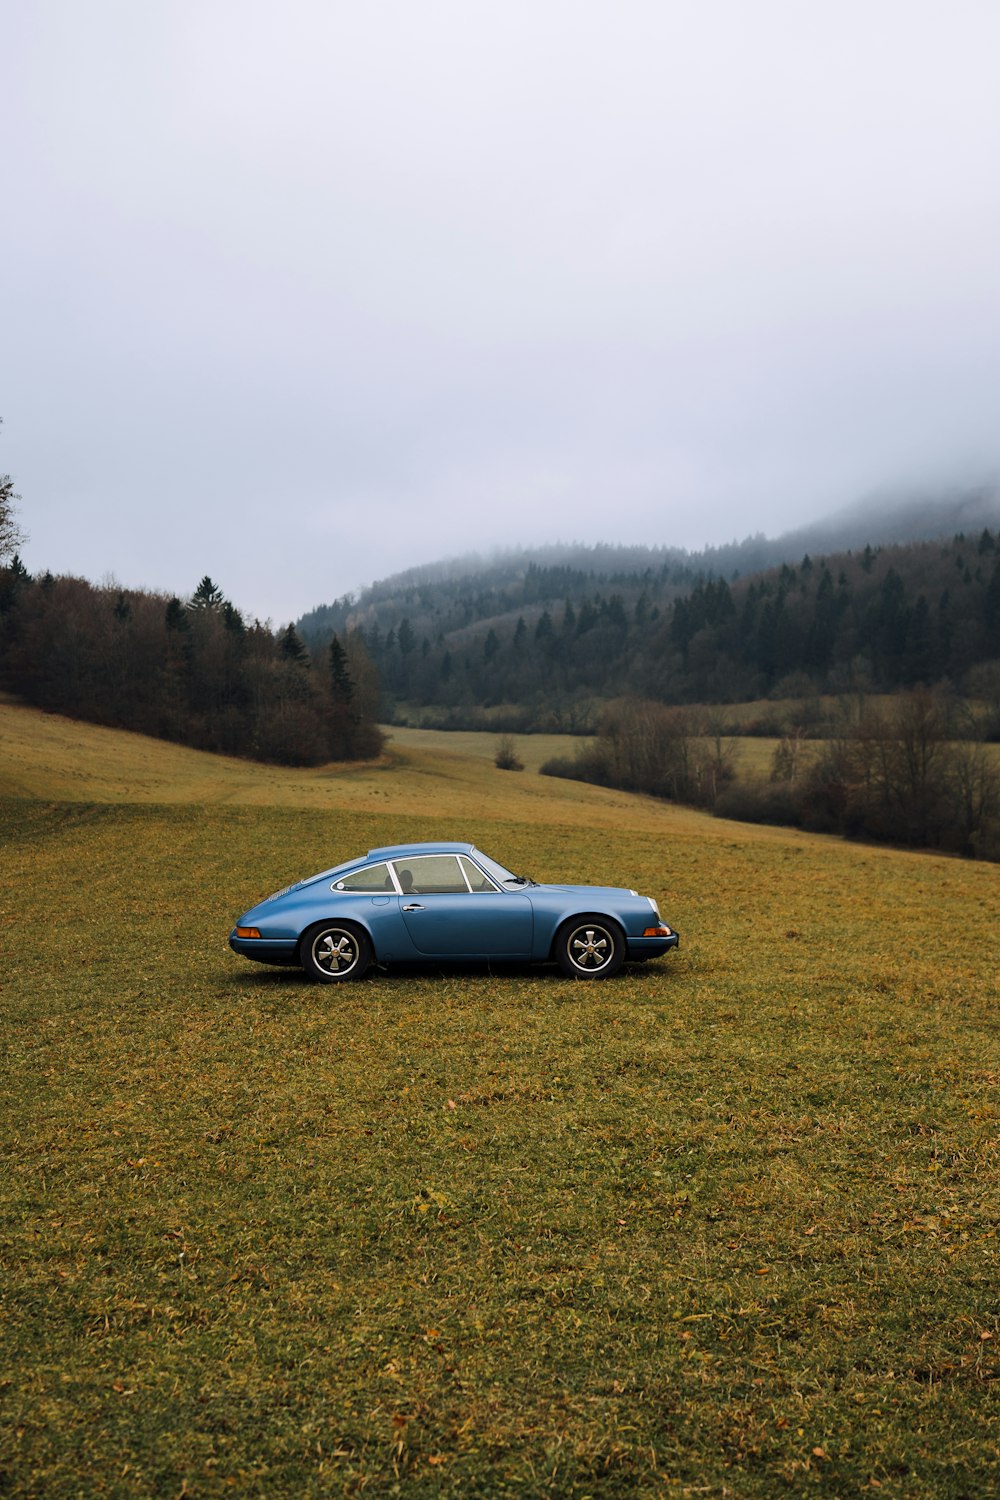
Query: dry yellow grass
{"type": "Point", "coordinates": [725, 1225]}
{"type": "Point", "coordinates": [423, 772]}
{"type": "Point", "coordinates": [532, 749]}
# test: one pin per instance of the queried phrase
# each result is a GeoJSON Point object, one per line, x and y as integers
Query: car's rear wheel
{"type": "Point", "coordinates": [590, 947]}
{"type": "Point", "coordinates": [332, 952]}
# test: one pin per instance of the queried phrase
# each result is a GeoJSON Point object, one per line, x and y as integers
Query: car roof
{"type": "Point", "coordinates": [402, 851]}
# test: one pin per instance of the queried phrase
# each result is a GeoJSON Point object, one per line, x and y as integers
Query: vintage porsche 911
{"type": "Point", "coordinates": [444, 902]}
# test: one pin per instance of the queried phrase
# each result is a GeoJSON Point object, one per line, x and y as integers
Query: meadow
{"type": "Point", "coordinates": [725, 1225]}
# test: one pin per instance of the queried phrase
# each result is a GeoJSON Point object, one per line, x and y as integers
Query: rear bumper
{"type": "Point", "coordinates": [265, 950]}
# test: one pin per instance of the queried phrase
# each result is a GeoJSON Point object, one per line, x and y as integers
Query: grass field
{"type": "Point", "coordinates": [725, 1225]}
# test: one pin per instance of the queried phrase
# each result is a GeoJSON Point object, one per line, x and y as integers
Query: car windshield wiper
{"type": "Point", "coordinates": [520, 880]}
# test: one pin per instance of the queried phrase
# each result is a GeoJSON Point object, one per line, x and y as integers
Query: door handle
{"type": "Point", "coordinates": [414, 906]}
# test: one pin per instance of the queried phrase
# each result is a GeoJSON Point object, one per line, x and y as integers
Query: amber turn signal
{"type": "Point", "coordinates": [657, 932]}
{"type": "Point", "coordinates": [247, 932]}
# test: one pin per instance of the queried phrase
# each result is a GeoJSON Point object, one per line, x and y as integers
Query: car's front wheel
{"type": "Point", "coordinates": [590, 947]}
{"type": "Point", "coordinates": [332, 952]}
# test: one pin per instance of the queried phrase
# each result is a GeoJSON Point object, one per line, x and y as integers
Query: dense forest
{"type": "Point", "coordinates": [196, 672]}
{"type": "Point", "coordinates": [536, 645]}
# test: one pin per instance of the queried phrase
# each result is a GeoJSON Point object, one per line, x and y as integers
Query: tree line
{"type": "Point", "coordinates": [903, 771]}
{"type": "Point", "coordinates": [195, 671]}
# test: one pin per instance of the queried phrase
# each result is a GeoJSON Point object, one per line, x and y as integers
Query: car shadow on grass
{"type": "Point", "coordinates": [276, 976]}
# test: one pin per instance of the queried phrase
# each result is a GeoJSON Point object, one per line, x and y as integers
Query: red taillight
{"type": "Point", "coordinates": [248, 932]}
{"type": "Point", "coordinates": [657, 932]}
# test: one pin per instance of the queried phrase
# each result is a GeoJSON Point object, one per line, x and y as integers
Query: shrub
{"type": "Point", "coordinates": [588, 764]}
{"type": "Point", "coordinates": [754, 800]}
{"type": "Point", "coordinates": [507, 758]}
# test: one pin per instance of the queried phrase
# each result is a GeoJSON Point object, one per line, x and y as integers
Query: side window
{"type": "Point", "coordinates": [474, 875]}
{"type": "Point", "coordinates": [425, 874]}
{"type": "Point", "coordinates": [371, 878]}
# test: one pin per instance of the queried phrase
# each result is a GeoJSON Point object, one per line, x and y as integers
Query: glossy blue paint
{"type": "Point", "coordinates": [446, 901]}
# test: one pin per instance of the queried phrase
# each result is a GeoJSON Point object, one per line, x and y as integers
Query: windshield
{"type": "Point", "coordinates": [502, 876]}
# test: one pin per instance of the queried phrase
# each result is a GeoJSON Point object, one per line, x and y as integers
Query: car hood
{"type": "Point", "coordinates": [579, 890]}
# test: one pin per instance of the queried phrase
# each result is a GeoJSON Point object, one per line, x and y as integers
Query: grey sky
{"type": "Point", "coordinates": [300, 294]}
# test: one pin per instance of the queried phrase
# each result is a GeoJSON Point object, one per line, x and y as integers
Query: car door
{"type": "Point", "coordinates": [445, 919]}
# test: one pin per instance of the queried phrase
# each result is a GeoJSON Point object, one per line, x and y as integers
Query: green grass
{"type": "Point", "coordinates": [725, 1225]}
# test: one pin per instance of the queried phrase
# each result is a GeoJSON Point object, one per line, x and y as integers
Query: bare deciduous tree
{"type": "Point", "coordinates": [11, 535]}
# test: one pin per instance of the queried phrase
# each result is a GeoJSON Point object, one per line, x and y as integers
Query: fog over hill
{"type": "Point", "coordinates": [876, 521]}
{"type": "Point", "coordinates": [540, 638]}
{"type": "Point", "coordinates": [881, 520]}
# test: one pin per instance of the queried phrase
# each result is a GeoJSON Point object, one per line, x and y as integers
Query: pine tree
{"type": "Point", "coordinates": [991, 609]}
{"type": "Point", "coordinates": [175, 617]}
{"type": "Point", "coordinates": [407, 639]}
{"type": "Point", "coordinates": [207, 596]}
{"type": "Point", "coordinates": [292, 648]}
{"type": "Point", "coordinates": [341, 684]}
{"type": "Point", "coordinates": [232, 619]}
{"type": "Point", "coordinates": [12, 580]}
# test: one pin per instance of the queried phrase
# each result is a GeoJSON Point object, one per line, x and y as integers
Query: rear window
{"type": "Point", "coordinates": [371, 878]}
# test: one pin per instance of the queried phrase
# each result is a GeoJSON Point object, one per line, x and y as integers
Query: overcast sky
{"type": "Point", "coordinates": [299, 294]}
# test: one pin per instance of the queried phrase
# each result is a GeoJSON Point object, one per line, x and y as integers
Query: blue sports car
{"type": "Point", "coordinates": [446, 902]}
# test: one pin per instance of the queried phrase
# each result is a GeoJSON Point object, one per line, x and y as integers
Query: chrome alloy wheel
{"type": "Point", "coordinates": [590, 948]}
{"type": "Point", "coordinates": [335, 952]}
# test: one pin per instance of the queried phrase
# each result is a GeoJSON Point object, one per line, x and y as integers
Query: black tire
{"type": "Point", "coordinates": [590, 947]}
{"type": "Point", "coordinates": [334, 952]}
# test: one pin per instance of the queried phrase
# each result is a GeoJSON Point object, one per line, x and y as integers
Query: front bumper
{"type": "Point", "coordinates": [651, 947]}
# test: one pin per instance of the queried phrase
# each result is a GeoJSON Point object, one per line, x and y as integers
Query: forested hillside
{"type": "Point", "coordinates": [195, 672]}
{"type": "Point", "coordinates": [536, 644]}
{"type": "Point", "coordinates": [451, 594]}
